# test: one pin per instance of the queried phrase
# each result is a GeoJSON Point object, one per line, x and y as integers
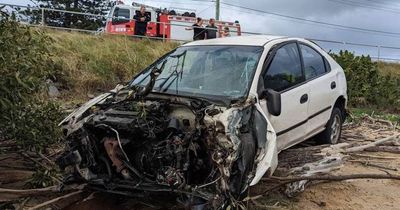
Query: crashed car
{"type": "Point", "coordinates": [206, 120]}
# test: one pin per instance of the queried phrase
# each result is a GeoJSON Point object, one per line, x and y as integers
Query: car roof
{"type": "Point", "coordinates": [253, 40]}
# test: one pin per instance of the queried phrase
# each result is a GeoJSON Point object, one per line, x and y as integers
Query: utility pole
{"type": "Point", "coordinates": [217, 5]}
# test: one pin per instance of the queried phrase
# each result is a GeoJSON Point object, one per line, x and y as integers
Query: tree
{"type": "Point", "coordinates": [68, 20]}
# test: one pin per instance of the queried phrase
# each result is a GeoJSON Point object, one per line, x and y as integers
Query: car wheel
{"type": "Point", "coordinates": [333, 130]}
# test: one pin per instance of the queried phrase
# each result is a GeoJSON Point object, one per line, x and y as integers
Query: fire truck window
{"type": "Point", "coordinates": [122, 13]}
{"type": "Point", "coordinates": [121, 16]}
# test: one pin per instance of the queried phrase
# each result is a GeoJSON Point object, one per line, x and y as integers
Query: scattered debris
{"type": "Point", "coordinates": [55, 200]}
{"type": "Point", "coordinates": [52, 89]}
{"type": "Point", "coordinates": [298, 167]}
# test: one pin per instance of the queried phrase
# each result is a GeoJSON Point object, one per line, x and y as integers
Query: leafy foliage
{"type": "Point", "coordinates": [25, 64]}
{"type": "Point", "coordinates": [43, 178]}
{"type": "Point", "coordinates": [68, 20]}
{"type": "Point", "coordinates": [366, 85]}
{"type": "Point", "coordinates": [34, 124]}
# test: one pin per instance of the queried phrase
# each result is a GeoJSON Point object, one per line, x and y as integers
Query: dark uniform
{"type": "Point", "coordinates": [211, 32]}
{"type": "Point", "coordinates": [141, 26]}
{"type": "Point", "coordinates": [198, 32]}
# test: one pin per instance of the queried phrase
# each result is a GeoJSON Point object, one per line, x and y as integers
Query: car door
{"type": "Point", "coordinates": [284, 74]}
{"type": "Point", "coordinates": [322, 85]}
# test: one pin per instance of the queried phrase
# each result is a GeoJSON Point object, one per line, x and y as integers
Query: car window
{"type": "Point", "coordinates": [285, 69]}
{"type": "Point", "coordinates": [314, 64]}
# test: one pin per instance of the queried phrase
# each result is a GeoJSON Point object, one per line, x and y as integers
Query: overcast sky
{"type": "Point", "coordinates": [382, 15]}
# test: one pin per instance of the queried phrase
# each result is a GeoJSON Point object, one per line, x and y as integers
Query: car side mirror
{"type": "Point", "coordinates": [273, 101]}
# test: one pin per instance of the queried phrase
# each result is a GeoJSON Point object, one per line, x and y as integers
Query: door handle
{"type": "Point", "coordinates": [333, 85]}
{"type": "Point", "coordinates": [304, 99]}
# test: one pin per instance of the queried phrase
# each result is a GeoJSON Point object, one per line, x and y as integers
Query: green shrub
{"type": "Point", "coordinates": [43, 178]}
{"type": "Point", "coordinates": [25, 64]}
{"type": "Point", "coordinates": [366, 85]}
{"type": "Point", "coordinates": [33, 125]}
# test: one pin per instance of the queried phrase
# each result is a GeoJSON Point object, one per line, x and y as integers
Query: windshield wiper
{"type": "Point", "coordinates": [175, 72]}
{"type": "Point", "coordinates": [155, 72]}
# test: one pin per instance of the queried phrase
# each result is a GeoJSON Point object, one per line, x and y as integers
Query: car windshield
{"type": "Point", "coordinates": [212, 72]}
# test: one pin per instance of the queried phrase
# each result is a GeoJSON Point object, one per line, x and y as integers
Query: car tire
{"type": "Point", "coordinates": [333, 130]}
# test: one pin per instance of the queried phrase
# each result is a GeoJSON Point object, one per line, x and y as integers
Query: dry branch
{"type": "Point", "coordinates": [373, 144]}
{"type": "Point", "coordinates": [40, 191]}
{"type": "Point", "coordinates": [333, 177]}
{"type": "Point", "coordinates": [51, 189]}
{"type": "Point", "coordinates": [375, 156]}
{"type": "Point", "coordinates": [389, 149]}
{"type": "Point", "coordinates": [373, 120]}
{"type": "Point", "coordinates": [55, 200]}
{"type": "Point", "coordinates": [42, 165]}
{"type": "Point", "coordinates": [380, 166]}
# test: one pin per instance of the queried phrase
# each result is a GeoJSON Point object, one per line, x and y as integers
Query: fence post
{"type": "Point", "coordinates": [163, 24]}
{"type": "Point", "coordinates": [42, 16]}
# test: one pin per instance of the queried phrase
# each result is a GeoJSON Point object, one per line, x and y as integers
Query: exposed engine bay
{"type": "Point", "coordinates": [125, 144]}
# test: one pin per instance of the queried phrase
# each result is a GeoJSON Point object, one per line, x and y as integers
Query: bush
{"type": "Point", "coordinates": [366, 85]}
{"type": "Point", "coordinates": [25, 64]}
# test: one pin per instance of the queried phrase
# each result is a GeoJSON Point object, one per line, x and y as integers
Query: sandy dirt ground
{"type": "Point", "coordinates": [353, 194]}
{"type": "Point", "coordinates": [16, 170]}
{"type": "Point", "coordinates": [350, 194]}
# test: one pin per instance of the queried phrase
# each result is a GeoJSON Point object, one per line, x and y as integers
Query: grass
{"type": "Point", "coordinates": [89, 63]}
{"type": "Point", "coordinates": [392, 69]}
{"type": "Point", "coordinates": [360, 112]}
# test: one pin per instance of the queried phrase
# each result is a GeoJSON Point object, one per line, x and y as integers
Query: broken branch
{"type": "Point", "coordinates": [387, 122]}
{"type": "Point", "coordinates": [30, 191]}
{"type": "Point", "coordinates": [373, 144]}
{"type": "Point", "coordinates": [334, 177]}
{"type": "Point", "coordinates": [55, 200]}
{"type": "Point", "coordinates": [389, 149]}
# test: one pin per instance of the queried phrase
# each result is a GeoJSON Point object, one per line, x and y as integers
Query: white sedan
{"type": "Point", "coordinates": [208, 119]}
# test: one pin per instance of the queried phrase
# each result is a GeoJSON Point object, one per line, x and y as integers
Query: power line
{"type": "Point", "coordinates": [203, 0]}
{"type": "Point", "coordinates": [373, 2]}
{"type": "Point", "coordinates": [315, 21]}
{"type": "Point", "coordinates": [198, 13]}
{"type": "Point", "coordinates": [297, 21]}
{"type": "Point", "coordinates": [184, 3]}
{"type": "Point", "coordinates": [370, 6]}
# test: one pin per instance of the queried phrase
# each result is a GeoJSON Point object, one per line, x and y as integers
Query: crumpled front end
{"type": "Point", "coordinates": [193, 148]}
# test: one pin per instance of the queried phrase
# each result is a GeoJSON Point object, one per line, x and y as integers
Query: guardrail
{"type": "Point", "coordinates": [377, 52]}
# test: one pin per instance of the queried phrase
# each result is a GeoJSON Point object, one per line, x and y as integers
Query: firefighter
{"type": "Point", "coordinates": [199, 32]}
{"type": "Point", "coordinates": [211, 32]}
{"type": "Point", "coordinates": [141, 19]}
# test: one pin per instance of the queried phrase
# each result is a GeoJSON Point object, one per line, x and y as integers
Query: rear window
{"type": "Point", "coordinates": [314, 64]}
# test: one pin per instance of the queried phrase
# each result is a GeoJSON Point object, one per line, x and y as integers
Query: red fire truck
{"type": "Point", "coordinates": [164, 23]}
